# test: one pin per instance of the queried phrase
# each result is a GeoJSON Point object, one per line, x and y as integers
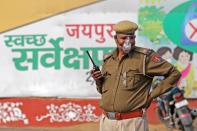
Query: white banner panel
{"type": "Point", "coordinates": [48, 58]}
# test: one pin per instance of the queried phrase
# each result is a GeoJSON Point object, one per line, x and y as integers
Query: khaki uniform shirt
{"type": "Point", "coordinates": [127, 82]}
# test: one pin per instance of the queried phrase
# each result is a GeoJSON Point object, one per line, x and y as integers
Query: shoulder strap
{"type": "Point", "coordinates": [145, 51]}
{"type": "Point", "coordinates": [107, 56]}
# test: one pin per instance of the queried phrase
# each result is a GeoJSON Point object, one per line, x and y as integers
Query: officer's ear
{"type": "Point", "coordinates": [115, 38]}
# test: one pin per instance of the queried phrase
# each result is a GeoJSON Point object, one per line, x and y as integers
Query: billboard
{"type": "Point", "coordinates": [45, 54]}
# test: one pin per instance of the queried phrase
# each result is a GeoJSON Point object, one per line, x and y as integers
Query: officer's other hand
{"type": "Point", "coordinates": [96, 74]}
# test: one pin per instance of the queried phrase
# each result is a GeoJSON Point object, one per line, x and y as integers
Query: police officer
{"type": "Point", "coordinates": [125, 80]}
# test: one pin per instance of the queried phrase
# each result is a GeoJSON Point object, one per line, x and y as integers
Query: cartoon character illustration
{"type": "Point", "coordinates": [166, 53]}
{"type": "Point", "coordinates": [184, 65]}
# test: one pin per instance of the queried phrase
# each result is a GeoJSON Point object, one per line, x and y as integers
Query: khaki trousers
{"type": "Point", "coordinates": [133, 124]}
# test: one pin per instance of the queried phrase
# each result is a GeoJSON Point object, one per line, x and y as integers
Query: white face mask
{"type": "Point", "coordinates": [126, 46]}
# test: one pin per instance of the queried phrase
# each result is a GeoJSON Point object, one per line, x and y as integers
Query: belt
{"type": "Point", "coordinates": [121, 116]}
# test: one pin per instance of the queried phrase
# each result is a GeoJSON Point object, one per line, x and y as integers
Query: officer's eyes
{"type": "Point", "coordinates": [130, 37]}
{"type": "Point", "coordinates": [124, 38]}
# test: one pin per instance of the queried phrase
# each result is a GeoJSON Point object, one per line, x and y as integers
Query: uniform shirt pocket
{"type": "Point", "coordinates": [129, 79]}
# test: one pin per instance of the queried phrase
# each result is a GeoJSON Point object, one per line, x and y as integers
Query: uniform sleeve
{"type": "Point", "coordinates": [99, 88]}
{"type": "Point", "coordinates": [99, 84]}
{"type": "Point", "coordinates": [156, 66]}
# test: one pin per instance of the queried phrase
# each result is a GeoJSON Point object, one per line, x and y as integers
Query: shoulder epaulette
{"type": "Point", "coordinates": [107, 56]}
{"type": "Point", "coordinates": [145, 51]}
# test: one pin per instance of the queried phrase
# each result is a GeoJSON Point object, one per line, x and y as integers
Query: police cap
{"type": "Point", "coordinates": [125, 27]}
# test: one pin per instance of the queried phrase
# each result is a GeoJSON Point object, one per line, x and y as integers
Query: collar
{"type": "Point", "coordinates": [115, 52]}
{"type": "Point", "coordinates": [131, 51]}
